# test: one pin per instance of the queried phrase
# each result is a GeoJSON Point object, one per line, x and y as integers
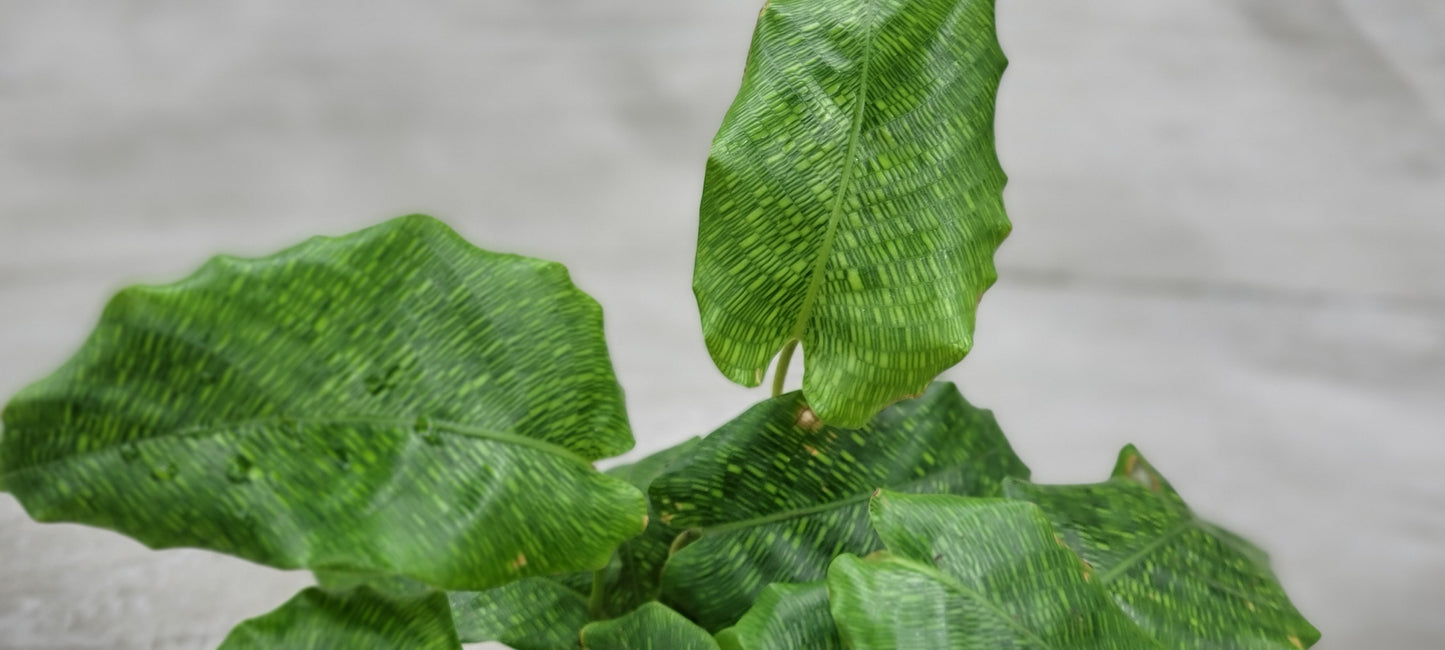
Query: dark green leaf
{"type": "Point", "coordinates": [356, 619]}
{"type": "Point", "coordinates": [650, 627]}
{"type": "Point", "coordinates": [774, 496]}
{"type": "Point", "coordinates": [391, 401]}
{"type": "Point", "coordinates": [385, 583]}
{"type": "Point", "coordinates": [548, 613]}
{"type": "Point", "coordinates": [1186, 581]}
{"type": "Point", "coordinates": [634, 577]}
{"type": "Point", "coordinates": [785, 617]}
{"type": "Point", "coordinates": [853, 198]}
{"type": "Point", "coordinates": [530, 614]}
{"type": "Point", "coordinates": [968, 573]}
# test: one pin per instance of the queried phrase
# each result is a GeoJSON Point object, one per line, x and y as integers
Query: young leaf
{"type": "Point", "coordinates": [853, 198]}
{"type": "Point", "coordinates": [650, 627]}
{"type": "Point", "coordinates": [1186, 581]}
{"type": "Point", "coordinates": [785, 617]}
{"type": "Point", "coordinates": [356, 619]}
{"type": "Point", "coordinates": [968, 573]}
{"type": "Point", "coordinates": [530, 614]}
{"type": "Point", "coordinates": [391, 401]}
{"type": "Point", "coordinates": [774, 496]}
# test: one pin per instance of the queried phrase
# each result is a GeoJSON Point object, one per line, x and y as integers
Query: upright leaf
{"type": "Point", "coordinates": [774, 496]}
{"type": "Point", "coordinates": [1186, 581]}
{"type": "Point", "coordinates": [853, 198]}
{"type": "Point", "coordinates": [395, 401]}
{"type": "Point", "coordinates": [785, 617]}
{"type": "Point", "coordinates": [966, 574]}
{"type": "Point", "coordinates": [356, 619]}
{"type": "Point", "coordinates": [650, 627]}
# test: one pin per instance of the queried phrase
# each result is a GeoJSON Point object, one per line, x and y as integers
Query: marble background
{"type": "Point", "coordinates": [1229, 243]}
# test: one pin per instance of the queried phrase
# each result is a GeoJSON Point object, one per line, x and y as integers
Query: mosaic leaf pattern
{"type": "Point", "coordinates": [650, 627]}
{"type": "Point", "coordinates": [1188, 582]}
{"type": "Point", "coordinates": [530, 614]}
{"type": "Point", "coordinates": [968, 573]}
{"type": "Point", "coordinates": [853, 198]}
{"type": "Point", "coordinates": [356, 619]}
{"type": "Point", "coordinates": [548, 613]}
{"type": "Point", "coordinates": [786, 617]}
{"type": "Point", "coordinates": [635, 574]}
{"type": "Point", "coordinates": [774, 495]}
{"type": "Point", "coordinates": [392, 401]}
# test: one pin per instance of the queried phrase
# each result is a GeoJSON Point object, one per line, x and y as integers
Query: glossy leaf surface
{"type": "Point", "coordinates": [392, 401]}
{"type": "Point", "coordinates": [355, 619]}
{"type": "Point", "coordinates": [966, 574]}
{"type": "Point", "coordinates": [650, 627]}
{"type": "Point", "coordinates": [1186, 581]}
{"type": "Point", "coordinates": [853, 198]}
{"type": "Point", "coordinates": [774, 496]}
{"type": "Point", "coordinates": [785, 617]}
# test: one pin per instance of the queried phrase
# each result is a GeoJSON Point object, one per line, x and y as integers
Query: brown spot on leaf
{"type": "Point", "coordinates": [666, 517]}
{"type": "Point", "coordinates": [808, 420]}
{"type": "Point", "coordinates": [812, 451]}
{"type": "Point", "coordinates": [520, 562]}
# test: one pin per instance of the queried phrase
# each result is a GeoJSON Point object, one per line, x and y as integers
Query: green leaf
{"type": "Point", "coordinates": [634, 576]}
{"type": "Point", "coordinates": [785, 617]}
{"type": "Point", "coordinates": [548, 613]}
{"type": "Point", "coordinates": [1186, 581]}
{"type": "Point", "coordinates": [774, 496]}
{"type": "Point", "coordinates": [530, 614]}
{"type": "Point", "coordinates": [391, 401]}
{"type": "Point", "coordinates": [650, 627]}
{"type": "Point", "coordinates": [853, 198]}
{"type": "Point", "coordinates": [356, 619]}
{"type": "Point", "coordinates": [966, 573]}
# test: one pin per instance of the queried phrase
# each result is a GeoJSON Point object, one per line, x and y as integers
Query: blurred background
{"type": "Point", "coordinates": [1229, 243]}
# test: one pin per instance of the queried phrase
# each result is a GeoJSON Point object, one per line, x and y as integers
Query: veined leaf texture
{"type": "Point", "coordinates": [395, 401]}
{"type": "Point", "coordinates": [853, 198]}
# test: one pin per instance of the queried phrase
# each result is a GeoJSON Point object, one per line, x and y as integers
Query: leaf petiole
{"type": "Point", "coordinates": [780, 373]}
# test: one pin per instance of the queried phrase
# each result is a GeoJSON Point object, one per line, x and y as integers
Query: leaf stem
{"type": "Point", "coordinates": [780, 374]}
{"type": "Point", "coordinates": [594, 601]}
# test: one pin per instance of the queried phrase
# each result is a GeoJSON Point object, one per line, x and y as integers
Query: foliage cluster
{"type": "Point", "coordinates": [416, 420]}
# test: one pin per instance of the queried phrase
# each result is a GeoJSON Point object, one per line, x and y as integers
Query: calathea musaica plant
{"type": "Point", "coordinates": [416, 420]}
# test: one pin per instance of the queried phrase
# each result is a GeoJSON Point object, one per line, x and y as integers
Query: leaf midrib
{"type": "Point", "coordinates": [441, 426]}
{"type": "Point", "coordinates": [1127, 563]}
{"type": "Point", "coordinates": [830, 505]}
{"type": "Point", "coordinates": [820, 262]}
{"type": "Point", "coordinates": [969, 593]}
